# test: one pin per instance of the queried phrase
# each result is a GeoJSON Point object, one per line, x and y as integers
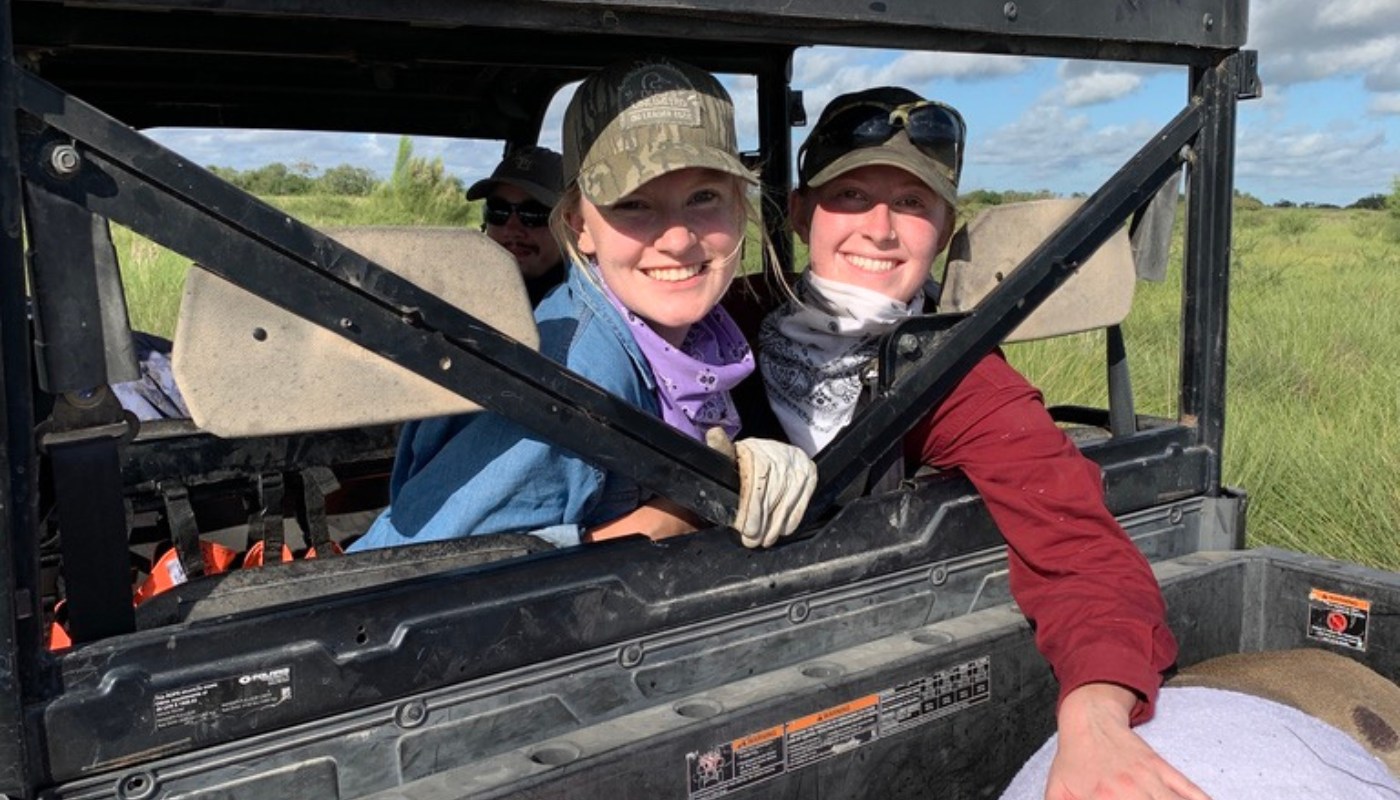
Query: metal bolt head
{"type": "Point", "coordinates": [64, 159]}
{"type": "Point", "coordinates": [411, 714]}
{"type": "Point", "coordinates": [1208, 22]}
{"type": "Point", "coordinates": [907, 344]}
{"type": "Point", "coordinates": [137, 786]}
{"type": "Point", "coordinates": [86, 398]}
{"type": "Point", "coordinates": [799, 611]}
{"type": "Point", "coordinates": [1010, 11]}
{"type": "Point", "coordinates": [630, 656]}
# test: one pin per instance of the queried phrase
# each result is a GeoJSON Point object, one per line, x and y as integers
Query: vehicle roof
{"type": "Point", "coordinates": [488, 68]}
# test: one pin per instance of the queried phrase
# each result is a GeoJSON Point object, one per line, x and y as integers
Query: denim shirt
{"type": "Point", "coordinates": [481, 473]}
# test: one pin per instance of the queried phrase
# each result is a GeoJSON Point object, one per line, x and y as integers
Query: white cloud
{"type": "Point", "coordinates": [1307, 40]}
{"type": "Point", "coordinates": [1101, 87]}
{"type": "Point", "coordinates": [816, 66]}
{"type": "Point", "coordinates": [849, 68]}
{"type": "Point", "coordinates": [1337, 164]}
{"type": "Point", "coordinates": [1387, 103]}
{"type": "Point", "coordinates": [1047, 144]}
{"type": "Point", "coordinates": [1087, 83]}
{"type": "Point", "coordinates": [919, 68]}
{"type": "Point", "coordinates": [823, 73]}
{"type": "Point", "coordinates": [251, 148]}
{"type": "Point", "coordinates": [1384, 80]}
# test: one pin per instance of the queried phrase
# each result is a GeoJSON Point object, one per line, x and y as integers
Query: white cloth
{"type": "Point", "coordinates": [814, 354]}
{"type": "Point", "coordinates": [1241, 747]}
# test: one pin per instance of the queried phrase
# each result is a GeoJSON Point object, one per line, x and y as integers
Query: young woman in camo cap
{"type": "Point", "coordinates": [652, 220]}
{"type": "Point", "coordinates": [876, 204]}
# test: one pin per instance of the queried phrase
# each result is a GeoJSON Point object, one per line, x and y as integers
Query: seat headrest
{"type": "Point", "coordinates": [986, 250]}
{"type": "Point", "coordinates": [249, 368]}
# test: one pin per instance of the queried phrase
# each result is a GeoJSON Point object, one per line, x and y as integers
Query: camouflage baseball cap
{"type": "Point", "coordinates": [888, 126]}
{"type": "Point", "coordinates": [638, 120]}
{"type": "Point", "coordinates": [536, 170]}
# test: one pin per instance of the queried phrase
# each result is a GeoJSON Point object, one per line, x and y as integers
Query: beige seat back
{"type": "Point", "coordinates": [993, 244]}
{"type": "Point", "coordinates": [249, 368]}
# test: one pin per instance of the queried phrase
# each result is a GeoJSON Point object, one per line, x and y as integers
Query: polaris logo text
{"type": "Point", "coordinates": [270, 677]}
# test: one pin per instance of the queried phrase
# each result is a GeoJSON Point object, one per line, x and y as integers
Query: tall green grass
{"type": "Point", "coordinates": [1313, 378]}
{"type": "Point", "coordinates": [152, 278]}
{"type": "Point", "coordinates": [1313, 398]}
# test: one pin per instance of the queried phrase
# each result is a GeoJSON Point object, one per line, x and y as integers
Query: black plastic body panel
{"type": "Point", "coordinates": [622, 722]}
{"type": "Point", "coordinates": [348, 649]}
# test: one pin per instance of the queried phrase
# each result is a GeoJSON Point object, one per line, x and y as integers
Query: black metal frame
{"type": "Point", "coordinates": [123, 176]}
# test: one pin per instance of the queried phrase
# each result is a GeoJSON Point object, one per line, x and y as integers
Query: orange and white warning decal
{"type": "Point", "coordinates": [1338, 619]}
{"type": "Point", "coordinates": [767, 753]}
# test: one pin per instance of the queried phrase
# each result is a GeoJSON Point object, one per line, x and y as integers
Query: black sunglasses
{"type": "Point", "coordinates": [532, 213]}
{"type": "Point", "coordinates": [938, 131]}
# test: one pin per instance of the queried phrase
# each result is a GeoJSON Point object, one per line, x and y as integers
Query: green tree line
{"type": "Point", "coordinates": [411, 176]}
{"type": "Point", "coordinates": [418, 191]}
{"type": "Point", "coordinates": [278, 179]}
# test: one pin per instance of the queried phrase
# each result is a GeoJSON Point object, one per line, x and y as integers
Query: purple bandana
{"type": "Point", "coordinates": [693, 383]}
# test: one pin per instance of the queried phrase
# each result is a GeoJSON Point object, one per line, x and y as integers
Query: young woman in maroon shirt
{"type": "Point", "coordinates": [876, 205]}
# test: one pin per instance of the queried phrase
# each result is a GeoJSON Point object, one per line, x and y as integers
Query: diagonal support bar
{"type": "Point", "coordinates": [944, 353]}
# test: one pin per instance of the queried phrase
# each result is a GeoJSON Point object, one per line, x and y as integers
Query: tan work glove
{"type": "Point", "coordinates": [776, 480]}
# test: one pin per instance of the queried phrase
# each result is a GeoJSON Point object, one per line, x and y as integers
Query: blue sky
{"type": "Point", "coordinates": [1327, 129]}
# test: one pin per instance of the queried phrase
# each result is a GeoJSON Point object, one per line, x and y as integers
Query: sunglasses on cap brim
{"type": "Point", "coordinates": [937, 130]}
{"type": "Point", "coordinates": [532, 213]}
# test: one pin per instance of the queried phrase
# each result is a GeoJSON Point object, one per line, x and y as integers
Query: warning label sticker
{"type": "Point", "coordinates": [764, 754]}
{"type": "Point", "coordinates": [1338, 619]}
{"type": "Point", "coordinates": [835, 730]}
{"type": "Point", "coordinates": [204, 702]}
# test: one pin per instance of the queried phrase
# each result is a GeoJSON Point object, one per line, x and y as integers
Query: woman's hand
{"type": "Point", "coordinates": [1100, 757]}
{"type": "Point", "coordinates": [776, 481]}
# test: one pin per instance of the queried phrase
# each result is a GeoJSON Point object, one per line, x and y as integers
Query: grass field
{"type": "Point", "coordinates": [1313, 401]}
{"type": "Point", "coordinates": [1313, 379]}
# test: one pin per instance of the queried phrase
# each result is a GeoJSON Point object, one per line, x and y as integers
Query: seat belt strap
{"type": "Point", "coordinates": [184, 531]}
{"type": "Point", "coordinates": [92, 526]}
{"type": "Point", "coordinates": [316, 484]}
{"type": "Point", "coordinates": [265, 523]}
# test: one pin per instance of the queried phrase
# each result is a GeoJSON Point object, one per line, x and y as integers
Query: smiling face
{"type": "Point", "coordinates": [669, 249]}
{"type": "Point", "coordinates": [535, 249]}
{"type": "Point", "coordinates": [877, 227]}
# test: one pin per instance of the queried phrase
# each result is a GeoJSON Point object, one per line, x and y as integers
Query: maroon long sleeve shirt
{"type": "Point", "coordinates": [1087, 590]}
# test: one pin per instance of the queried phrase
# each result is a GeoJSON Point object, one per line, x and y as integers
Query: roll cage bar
{"type": "Point", "coordinates": [74, 77]}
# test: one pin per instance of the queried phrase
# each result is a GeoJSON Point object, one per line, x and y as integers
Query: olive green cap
{"type": "Point", "coordinates": [637, 120]}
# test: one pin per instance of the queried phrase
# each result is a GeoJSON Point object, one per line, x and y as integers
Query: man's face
{"type": "Point", "coordinates": [877, 227]}
{"type": "Point", "coordinates": [534, 249]}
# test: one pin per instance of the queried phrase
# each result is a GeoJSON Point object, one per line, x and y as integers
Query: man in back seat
{"type": "Point", "coordinates": [520, 194]}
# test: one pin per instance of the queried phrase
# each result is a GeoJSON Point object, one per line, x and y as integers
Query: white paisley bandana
{"type": "Point", "coordinates": [814, 354]}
